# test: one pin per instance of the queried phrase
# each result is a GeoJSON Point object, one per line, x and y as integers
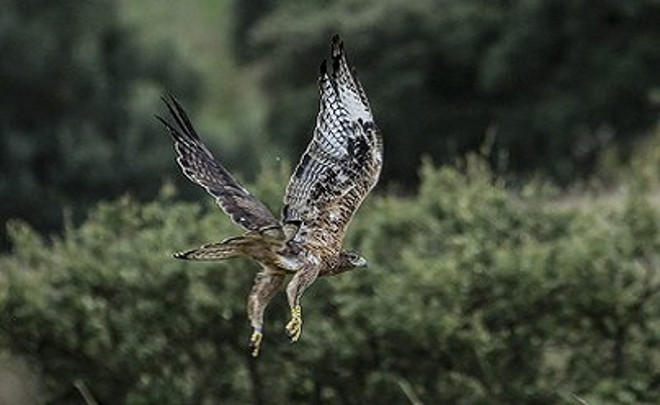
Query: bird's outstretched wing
{"type": "Point", "coordinates": [343, 161]}
{"type": "Point", "coordinates": [199, 166]}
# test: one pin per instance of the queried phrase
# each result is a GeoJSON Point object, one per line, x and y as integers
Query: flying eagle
{"type": "Point", "coordinates": [341, 165]}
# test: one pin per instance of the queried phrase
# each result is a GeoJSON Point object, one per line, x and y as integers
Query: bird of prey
{"type": "Point", "coordinates": [340, 166]}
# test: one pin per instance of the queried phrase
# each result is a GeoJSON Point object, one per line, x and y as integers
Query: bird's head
{"type": "Point", "coordinates": [349, 260]}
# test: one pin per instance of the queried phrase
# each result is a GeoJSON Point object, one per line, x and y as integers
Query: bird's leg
{"type": "Point", "coordinates": [294, 291]}
{"type": "Point", "coordinates": [266, 285]}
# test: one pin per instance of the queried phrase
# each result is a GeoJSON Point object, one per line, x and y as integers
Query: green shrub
{"type": "Point", "coordinates": [474, 295]}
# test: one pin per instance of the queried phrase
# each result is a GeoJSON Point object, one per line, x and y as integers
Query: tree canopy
{"type": "Point", "coordinates": [77, 95]}
{"type": "Point", "coordinates": [555, 82]}
{"type": "Point", "coordinates": [547, 86]}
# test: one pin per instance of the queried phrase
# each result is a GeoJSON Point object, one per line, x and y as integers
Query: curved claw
{"type": "Point", "coordinates": [255, 342]}
{"type": "Point", "coordinates": [294, 327]}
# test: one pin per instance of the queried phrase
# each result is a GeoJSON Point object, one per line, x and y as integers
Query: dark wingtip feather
{"type": "Point", "coordinates": [169, 99]}
{"type": "Point", "coordinates": [337, 43]}
{"type": "Point", "coordinates": [167, 125]}
{"type": "Point", "coordinates": [162, 121]}
{"type": "Point", "coordinates": [171, 109]}
{"type": "Point", "coordinates": [174, 133]}
{"type": "Point", "coordinates": [323, 69]}
{"type": "Point", "coordinates": [179, 114]}
{"type": "Point", "coordinates": [337, 52]}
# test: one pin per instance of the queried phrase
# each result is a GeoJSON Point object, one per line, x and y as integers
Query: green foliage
{"type": "Point", "coordinates": [78, 91]}
{"type": "Point", "coordinates": [119, 312]}
{"type": "Point", "coordinates": [645, 164]}
{"type": "Point", "coordinates": [473, 296]}
{"type": "Point", "coordinates": [557, 81]}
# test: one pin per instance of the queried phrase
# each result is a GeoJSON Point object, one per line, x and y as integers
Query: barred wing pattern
{"type": "Point", "coordinates": [200, 167]}
{"type": "Point", "coordinates": [342, 162]}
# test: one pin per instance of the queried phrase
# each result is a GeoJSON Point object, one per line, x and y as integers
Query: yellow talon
{"type": "Point", "coordinates": [294, 327]}
{"type": "Point", "coordinates": [255, 342]}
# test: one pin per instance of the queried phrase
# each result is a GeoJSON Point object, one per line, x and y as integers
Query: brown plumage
{"type": "Point", "coordinates": [340, 166]}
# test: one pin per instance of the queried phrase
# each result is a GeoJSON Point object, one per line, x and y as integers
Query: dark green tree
{"type": "Point", "coordinates": [554, 81]}
{"type": "Point", "coordinates": [245, 15]}
{"type": "Point", "coordinates": [77, 95]}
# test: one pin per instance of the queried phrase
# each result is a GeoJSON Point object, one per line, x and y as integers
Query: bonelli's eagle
{"type": "Point", "coordinates": [341, 165]}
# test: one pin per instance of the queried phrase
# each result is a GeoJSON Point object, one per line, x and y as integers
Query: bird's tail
{"type": "Point", "coordinates": [226, 249]}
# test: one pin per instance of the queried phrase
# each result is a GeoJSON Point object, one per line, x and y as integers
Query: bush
{"type": "Point", "coordinates": [473, 295]}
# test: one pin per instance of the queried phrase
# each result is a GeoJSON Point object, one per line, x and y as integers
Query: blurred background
{"type": "Point", "coordinates": [514, 236]}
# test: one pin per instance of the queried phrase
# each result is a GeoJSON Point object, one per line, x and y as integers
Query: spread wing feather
{"type": "Point", "coordinates": [343, 161]}
{"type": "Point", "coordinates": [199, 166]}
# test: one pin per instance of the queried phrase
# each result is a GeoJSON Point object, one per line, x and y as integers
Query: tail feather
{"type": "Point", "coordinates": [212, 251]}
